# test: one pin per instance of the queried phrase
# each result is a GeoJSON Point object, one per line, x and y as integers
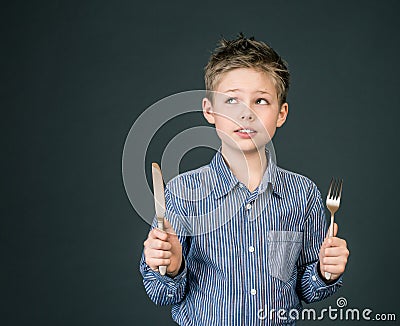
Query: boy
{"type": "Point", "coordinates": [269, 252]}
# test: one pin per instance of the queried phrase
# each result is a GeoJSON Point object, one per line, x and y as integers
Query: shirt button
{"type": "Point", "coordinates": [248, 206]}
{"type": "Point", "coordinates": [314, 278]}
{"type": "Point", "coordinates": [170, 295]}
{"type": "Point", "coordinates": [251, 249]}
{"type": "Point", "coordinates": [241, 185]}
{"type": "Point", "coordinates": [253, 291]}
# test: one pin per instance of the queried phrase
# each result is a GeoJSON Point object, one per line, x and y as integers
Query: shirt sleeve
{"type": "Point", "coordinates": [310, 286]}
{"type": "Point", "coordinates": [162, 289]}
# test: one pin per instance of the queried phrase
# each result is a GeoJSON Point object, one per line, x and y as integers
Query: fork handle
{"type": "Point", "coordinates": [327, 274]}
{"type": "Point", "coordinates": [331, 226]}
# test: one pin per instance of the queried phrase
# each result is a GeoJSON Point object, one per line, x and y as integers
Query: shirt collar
{"type": "Point", "coordinates": [271, 177]}
{"type": "Point", "coordinates": [225, 179]}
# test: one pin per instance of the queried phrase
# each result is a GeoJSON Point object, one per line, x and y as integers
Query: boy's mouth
{"type": "Point", "coordinates": [245, 133]}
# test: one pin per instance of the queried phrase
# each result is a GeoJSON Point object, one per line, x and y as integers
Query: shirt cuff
{"type": "Point", "coordinates": [166, 279]}
{"type": "Point", "coordinates": [320, 283]}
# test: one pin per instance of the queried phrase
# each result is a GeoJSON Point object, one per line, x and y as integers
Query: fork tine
{"type": "Point", "coordinates": [336, 189]}
{"type": "Point", "coordinates": [337, 193]}
{"type": "Point", "coordinates": [330, 189]}
{"type": "Point", "coordinates": [340, 189]}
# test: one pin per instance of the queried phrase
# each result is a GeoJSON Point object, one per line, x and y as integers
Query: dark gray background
{"type": "Point", "coordinates": [76, 75]}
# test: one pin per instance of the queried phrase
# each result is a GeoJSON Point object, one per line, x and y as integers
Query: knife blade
{"type": "Point", "coordinates": [159, 202]}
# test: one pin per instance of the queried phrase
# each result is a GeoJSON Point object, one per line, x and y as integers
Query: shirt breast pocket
{"type": "Point", "coordinates": [283, 250]}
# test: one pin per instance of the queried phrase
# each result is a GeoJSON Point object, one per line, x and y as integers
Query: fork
{"type": "Point", "coordinates": [333, 203]}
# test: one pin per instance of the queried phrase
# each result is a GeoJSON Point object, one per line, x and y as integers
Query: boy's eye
{"type": "Point", "coordinates": [262, 101]}
{"type": "Point", "coordinates": [232, 100]}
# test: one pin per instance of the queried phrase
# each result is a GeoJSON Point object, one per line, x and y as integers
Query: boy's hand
{"type": "Point", "coordinates": [333, 255]}
{"type": "Point", "coordinates": [162, 248]}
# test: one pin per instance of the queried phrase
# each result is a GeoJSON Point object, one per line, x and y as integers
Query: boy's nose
{"type": "Point", "coordinates": [248, 115]}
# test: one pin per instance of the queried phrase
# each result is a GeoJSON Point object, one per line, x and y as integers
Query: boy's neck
{"type": "Point", "coordinates": [247, 167]}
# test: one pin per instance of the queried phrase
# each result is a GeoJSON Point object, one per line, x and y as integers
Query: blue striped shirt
{"type": "Point", "coordinates": [247, 254]}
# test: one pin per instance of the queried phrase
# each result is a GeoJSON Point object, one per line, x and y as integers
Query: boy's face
{"type": "Point", "coordinates": [245, 98]}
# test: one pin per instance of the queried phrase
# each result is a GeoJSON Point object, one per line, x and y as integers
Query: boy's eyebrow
{"type": "Point", "coordinates": [237, 89]}
{"type": "Point", "coordinates": [231, 90]}
{"type": "Point", "coordinates": [263, 92]}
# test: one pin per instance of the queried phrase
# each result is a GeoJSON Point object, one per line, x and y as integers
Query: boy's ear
{"type": "Point", "coordinates": [208, 110]}
{"type": "Point", "coordinates": [282, 115]}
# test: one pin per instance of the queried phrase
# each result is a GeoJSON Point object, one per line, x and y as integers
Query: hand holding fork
{"type": "Point", "coordinates": [333, 203]}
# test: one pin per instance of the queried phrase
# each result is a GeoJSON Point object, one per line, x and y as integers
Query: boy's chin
{"type": "Point", "coordinates": [247, 148]}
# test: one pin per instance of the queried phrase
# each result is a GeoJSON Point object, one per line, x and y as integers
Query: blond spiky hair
{"type": "Point", "coordinates": [245, 52]}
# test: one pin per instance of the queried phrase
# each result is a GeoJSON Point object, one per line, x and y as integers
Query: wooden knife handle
{"type": "Point", "coordinates": [160, 225]}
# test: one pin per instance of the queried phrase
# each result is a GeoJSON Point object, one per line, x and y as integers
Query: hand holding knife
{"type": "Point", "coordinates": [159, 202]}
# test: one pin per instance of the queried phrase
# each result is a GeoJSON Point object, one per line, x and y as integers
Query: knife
{"type": "Point", "coordinates": [159, 202]}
